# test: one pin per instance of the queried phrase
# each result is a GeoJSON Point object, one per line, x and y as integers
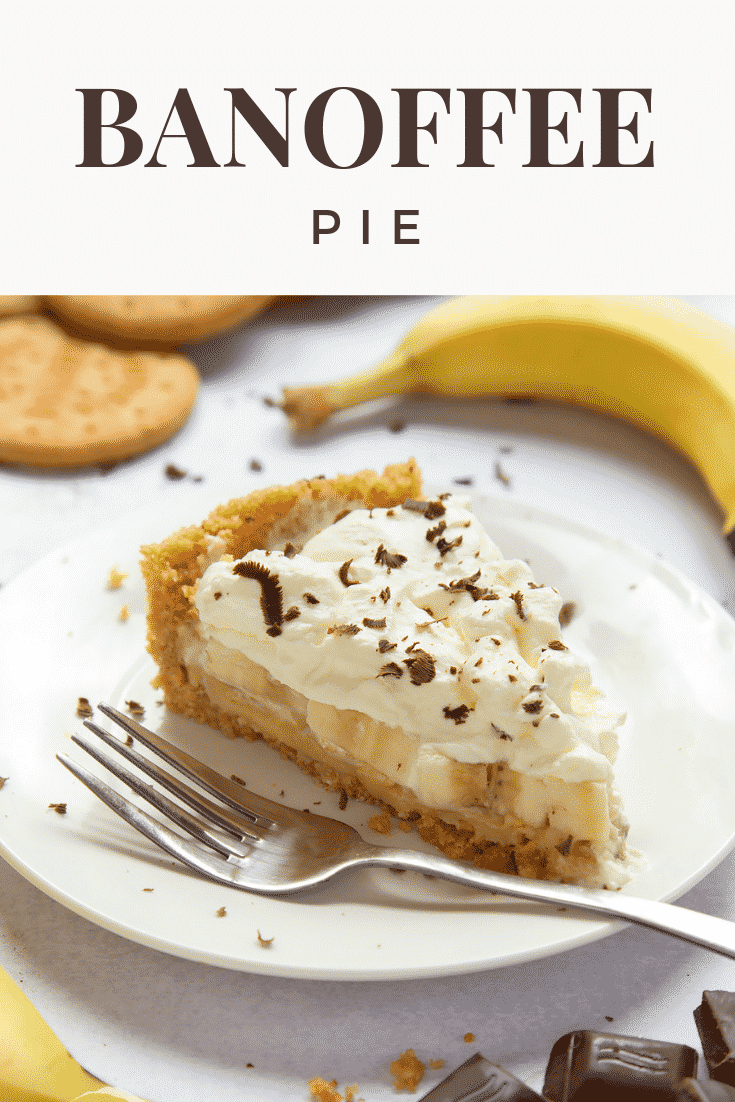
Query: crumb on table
{"type": "Point", "coordinates": [407, 1071]}
{"type": "Point", "coordinates": [84, 708]}
{"type": "Point", "coordinates": [266, 942]}
{"type": "Point", "coordinates": [60, 809]}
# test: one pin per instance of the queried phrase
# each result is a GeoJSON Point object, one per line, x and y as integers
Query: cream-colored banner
{"type": "Point", "coordinates": [318, 146]}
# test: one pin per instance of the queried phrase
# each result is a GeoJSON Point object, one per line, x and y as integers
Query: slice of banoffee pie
{"type": "Point", "coordinates": [381, 641]}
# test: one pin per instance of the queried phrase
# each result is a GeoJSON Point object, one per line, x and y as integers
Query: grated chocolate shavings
{"type": "Point", "coordinates": [512, 677]}
{"type": "Point", "coordinates": [435, 509]}
{"type": "Point", "coordinates": [468, 586]}
{"type": "Point", "coordinates": [443, 546]}
{"type": "Point", "coordinates": [554, 715]}
{"type": "Point", "coordinates": [289, 551]}
{"type": "Point", "coordinates": [391, 559]}
{"type": "Point", "coordinates": [341, 514]}
{"type": "Point", "coordinates": [292, 614]}
{"type": "Point", "coordinates": [421, 667]}
{"type": "Point", "coordinates": [453, 670]}
{"type": "Point", "coordinates": [533, 707]}
{"type": "Point", "coordinates": [566, 612]}
{"type": "Point", "coordinates": [343, 629]}
{"type": "Point", "coordinates": [518, 598]}
{"type": "Point", "coordinates": [385, 595]}
{"type": "Point", "coordinates": [60, 809]}
{"type": "Point", "coordinates": [432, 533]}
{"type": "Point", "coordinates": [271, 594]}
{"type": "Point", "coordinates": [311, 599]}
{"type": "Point", "coordinates": [479, 661]}
{"type": "Point", "coordinates": [501, 733]}
{"type": "Point", "coordinates": [501, 475]}
{"type": "Point", "coordinates": [565, 846]}
{"type": "Point", "coordinates": [384, 645]}
{"type": "Point", "coordinates": [342, 572]}
{"type": "Point", "coordinates": [556, 644]}
{"type": "Point", "coordinates": [458, 714]}
{"type": "Point", "coordinates": [536, 585]}
{"type": "Point", "coordinates": [392, 669]}
{"type": "Point", "coordinates": [217, 595]}
{"type": "Point", "coordinates": [84, 708]}
{"type": "Point", "coordinates": [368, 623]}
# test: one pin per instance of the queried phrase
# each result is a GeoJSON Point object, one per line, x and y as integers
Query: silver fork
{"type": "Point", "coordinates": [249, 842]}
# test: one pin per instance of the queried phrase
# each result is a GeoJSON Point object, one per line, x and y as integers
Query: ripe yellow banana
{"type": "Point", "coordinates": [34, 1065]}
{"type": "Point", "coordinates": [656, 362]}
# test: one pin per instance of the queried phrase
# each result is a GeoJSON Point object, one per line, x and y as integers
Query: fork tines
{"type": "Point", "coordinates": [230, 827]}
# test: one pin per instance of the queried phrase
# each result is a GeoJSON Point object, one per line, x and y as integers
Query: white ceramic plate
{"type": "Point", "coordinates": [659, 646]}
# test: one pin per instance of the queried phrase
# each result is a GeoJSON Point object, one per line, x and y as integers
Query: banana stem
{"type": "Point", "coordinates": [307, 406]}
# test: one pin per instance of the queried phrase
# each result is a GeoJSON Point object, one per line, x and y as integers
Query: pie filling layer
{"type": "Point", "coordinates": [403, 660]}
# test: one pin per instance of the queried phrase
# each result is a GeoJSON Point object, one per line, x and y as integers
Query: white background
{"type": "Point", "coordinates": [506, 229]}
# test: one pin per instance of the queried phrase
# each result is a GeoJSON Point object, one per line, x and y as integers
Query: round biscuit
{"type": "Point", "coordinates": [69, 403]}
{"type": "Point", "coordinates": [19, 304]}
{"type": "Point", "coordinates": [167, 319]}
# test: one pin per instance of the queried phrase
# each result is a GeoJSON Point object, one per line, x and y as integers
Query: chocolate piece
{"type": "Point", "coordinates": [477, 1080]}
{"type": "Point", "coordinates": [715, 1020]}
{"type": "Point", "coordinates": [586, 1066]}
{"type": "Point", "coordinates": [699, 1090]}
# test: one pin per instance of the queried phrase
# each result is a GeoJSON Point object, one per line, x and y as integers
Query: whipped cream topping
{"type": "Point", "coordinates": [412, 616]}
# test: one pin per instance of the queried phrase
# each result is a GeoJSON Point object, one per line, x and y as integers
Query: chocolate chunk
{"type": "Point", "coordinates": [586, 1066]}
{"type": "Point", "coordinates": [698, 1090]}
{"type": "Point", "coordinates": [715, 1020]}
{"type": "Point", "coordinates": [477, 1080]}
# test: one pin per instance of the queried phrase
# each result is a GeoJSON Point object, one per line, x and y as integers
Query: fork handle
{"type": "Point", "coordinates": [705, 930]}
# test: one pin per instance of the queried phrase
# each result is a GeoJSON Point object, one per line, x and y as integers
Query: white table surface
{"type": "Point", "coordinates": [170, 1029]}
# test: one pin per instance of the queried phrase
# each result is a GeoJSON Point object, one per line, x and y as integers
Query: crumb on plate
{"type": "Point", "coordinates": [115, 578]}
{"type": "Point", "coordinates": [380, 823]}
